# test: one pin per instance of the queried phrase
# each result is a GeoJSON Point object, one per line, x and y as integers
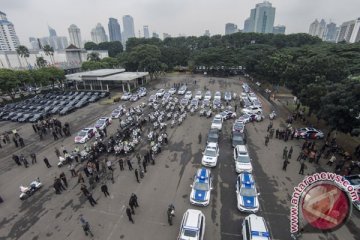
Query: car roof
{"type": "Point", "coordinates": [192, 218]}
{"type": "Point", "coordinates": [258, 227]}
{"type": "Point", "coordinates": [202, 175]}
{"type": "Point", "coordinates": [247, 180]}
{"type": "Point", "coordinates": [241, 148]}
{"type": "Point", "coordinates": [212, 145]}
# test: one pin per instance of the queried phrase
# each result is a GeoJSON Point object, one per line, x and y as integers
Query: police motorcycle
{"type": "Point", "coordinates": [26, 192]}
{"type": "Point", "coordinates": [272, 115]}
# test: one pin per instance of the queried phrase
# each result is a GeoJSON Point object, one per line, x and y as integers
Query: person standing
{"type": "Point", "coordinates": [199, 138]}
{"type": "Point", "coordinates": [267, 140]}
{"type": "Point", "coordinates": [21, 141]}
{"type": "Point", "coordinates": [24, 161]}
{"type": "Point", "coordinates": [302, 167]}
{"type": "Point", "coordinates": [121, 164]}
{"type": "Point", "coordinates": [137, 175]}
{"type": "Point", "coordinates": [286, 162]}
{"type": "Point", "coordinates": [134, 199]}
{"type": "Point", "coordinates": [290, 152]}
{"type": "Point", "coordinates": [86, 226]}
{"type": "Point", "coordinates": [129, 164]}
{"type": "Point", "coordinates": [109, 165]}
{"type": "Point", "coordinates": [55, 135]}
{"type": "Point", "coordinates": [16, 159]}
{"type": "Point", "coordinates": [285, 153]}
{"type": "Point", "coordinates": [63, 178]}
{"type": "Point", "coordinates": [91, 199]}
{"type": "Point", "coordinates": [80, 177]}
{"type": "Point", "coordinates": [131, 204]}
{"type": "Point", "coordinates": [57, 152]}
{"type": "Point", "coordinates": [46, 161]}
{"type": "Point", "coordinates": [128, 213]}
{"type": "Point", "coordinates": [144, 165]}
{"type": "Point", "coordinates": [104, 189]}
{"type": "Point", "coordinates": [33, 158]}
{"type": "Point", "coordinates": [15, 142]}
{"type": "Point", "coordinates": [72, 170]}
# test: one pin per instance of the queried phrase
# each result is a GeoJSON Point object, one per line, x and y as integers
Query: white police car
{"type": "Point", "coordinates": [211, 155]}
{"type": "Point", "coordinates": [255, 228]}
{"type": "Point", "coordinates": [246, 194]}
{"type": "Point", "coordinates": [192, 225]}
{"type": "Point", "coordinates": [201, 188]}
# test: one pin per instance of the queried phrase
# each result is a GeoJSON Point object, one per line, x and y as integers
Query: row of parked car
{"type": "Point", "coordinates": [133, 97]}
{"type": "Point", "coordinates": [45, 105]}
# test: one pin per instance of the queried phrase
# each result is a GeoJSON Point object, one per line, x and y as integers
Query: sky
{"type": "Point", "coordinates": [187, 17]}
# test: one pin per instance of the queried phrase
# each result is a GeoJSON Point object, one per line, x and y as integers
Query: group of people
{"type": "Point", "coordinates": [51, 126]}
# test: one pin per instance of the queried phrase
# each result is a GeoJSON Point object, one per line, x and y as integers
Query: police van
{"type": "Point", "coordinates": [254, 228]}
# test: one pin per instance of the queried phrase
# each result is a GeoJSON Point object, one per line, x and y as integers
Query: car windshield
{"type": "Point", "coordinates": [208, 93]}
{"type": "Point", "coordinates": [210, 153]}
{"type": "Point", "coordinates": [217, 121]}
{"type": "Point", "coordinates": [116, 112]}
{"type": "Point", "coordinates": [237, 137]}
{"type": "Point", "coordinates": [190, 233]}
{"type": "Point", "coordinates": [201, 186]}
{"type": "Point", "coordinates": [217, 94]}
{"type": "Point", "coordinates": [100, 122]}
{"type": "Point", "coordinates": [243, 159]}
{"type": "Point", "coordinates": [82, 133]}
{"type": "Point", "coordinates": [248, 192]}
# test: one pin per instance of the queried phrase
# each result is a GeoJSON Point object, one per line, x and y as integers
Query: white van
{"type": "Point", "coordinates": [254, 228]}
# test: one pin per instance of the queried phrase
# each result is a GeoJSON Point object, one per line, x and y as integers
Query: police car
{"type": "Point", "coordinates": [211, 154]}
{"type": "Point", "coordinates": [84, 135]}
{"type": "Point", "coordinates": [246, 194]}
{"type": "Point", "coordinates": [255, 228]}
{"type": "Point", "coordinates": [192, 225]}
{"type": "Point", "coordinates": [201, 188]}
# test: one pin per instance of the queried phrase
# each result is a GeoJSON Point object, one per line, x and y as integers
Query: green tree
{"type": "Point", "coordinates": [8, 82]}
{"type": "Point", "coordinates": [49, 51]}
{"type": "Point", "coordinates": [41, 62]}
{"type": "Point", "coordinates": [90, 46]}
{"type": "Point", "coordinates": [113, 48]}
{"type": "Point", "coordinates": [23, 52]}
{"type": "Point", "coordinates": [93, 56]}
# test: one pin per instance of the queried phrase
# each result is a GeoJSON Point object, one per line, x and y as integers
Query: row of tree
{"type": "Point", "coordinates": [113, 48]}
{"type": "Point", "coordinates": [12, 80]}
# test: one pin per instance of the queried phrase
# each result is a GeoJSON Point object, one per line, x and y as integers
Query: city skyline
{"type": "Point", "coordinates": [156, 15]}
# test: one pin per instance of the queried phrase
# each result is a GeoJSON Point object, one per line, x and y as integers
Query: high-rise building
{"type": "Point", "coordinates": [349, 31]}
{"type": "Point", "coordinates": [330, 32]}
{"type": "Point", "coordinates": [114, 30]}
{"type": "Point", "coordinates": [129, 29]}
{"type": "Point", "coordinates": [247, 25]}
{"type": "Point", "coordinates": [34, 42]}
{"type": "Point", "coordinates": [207, 33]}
{"type": "Point", "coordinates": [279, 29]}
{"type": "Point", "coordinates": [230, 28]}
{"type": "Point", "coordinates": [262, 18]}
{"type": "Point", "coordinates": [9, 41]}
{"type": "Point", "coordinates": [355, 36]}
{"type": "Point", "coordinates": [52, 32]}
{"type": "Point", "coordinates": [317, 28]}
{"type": "Point", "coordinates": [313, 27]}
{"type": "Point", "coordinates": [146, 32]}
{"type": "Point", "coordinates": [155, 35]}
{"type": "Point", "coordinates": [98, 34]}
{"type": "Point", "coordinates": [166, 35]}
{"type": "Point", "coordinates": [75, 36]}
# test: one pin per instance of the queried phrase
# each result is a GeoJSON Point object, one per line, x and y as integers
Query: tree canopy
{"type": "Point", "coordinates": [113, 48]}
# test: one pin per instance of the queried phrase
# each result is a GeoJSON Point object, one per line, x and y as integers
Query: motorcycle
{"type": "Point", "coordinates": [171, 213]}
{"type": "Point", "coordinates": [272, 115]}
{"type": "Point", "coordinates": [151, 136]}
{"type": "Point", "coordinates": [208, 113]}
{"type": "Point", "coordinates": [172, 123]}
{"type": "Point", "coordinates": [30, 190]}
{"type": "Point", "coordinates": [202, 112]}
{"type": "Point", "coordinates": [162, 126]}
{"type": "Point", "coordinates": [160, 139]}
{"type": "Point", "coordinates": [156, 148]}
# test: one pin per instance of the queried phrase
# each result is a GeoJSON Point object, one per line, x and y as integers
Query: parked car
{"type": "Point", "coordinates": [207, 95]}
{"type": "Point", "coordinates": [192, 225]}
{"type": "Point", "coordinates": [36, 117]}
{"type": "Point", "coordinates": [134, 98]}
{"type": "Point", "coordinates": [142, 92]}
{"type": "Point", "coordinates": [227, 114]}
{"type": "Point", "coordinates": [309, 133]}
{"type": "Point", "coordinates": [201, 188]}
{"type": "Point", "coordinates": [217, 95]}
{"type": "Point", "coordinates": [245, 118]}
{"type": "Point", "coordinates": [198, 95]}
{"type": "Point", "coordinates": [152, 98]}
{"type": "Point", "coordinates": [246, 194]}
{"type": "Point", "coordinates": [217, 104]}
{"type": "Point", "coordinates": [255, 228]}
{"type": "Point", "coordinates": [116, 113]}
{"type": "Point", "coordinates": [126, 96]}
{"type": "Point", "coordinates": [252, 110]}
{"type": "Point", "coordinates": [242, 159]}
{"type": "Point", "coordinates": [160, 93]}
{"type": "Point", "coordinates": [172, 91]}
{"type": "Point", "coordinates": [66, 110]}
{"type": "Point", "coordinates": [102, 123]}
{"type": "Point", "coordinates": [182, 90]}
{"type": "Point", "coordinates": [210, 155]}
{"type": "Point", "coordinates": [26, 117]}
{"type": "Point", "coordinates": [227, 96]}
{"type": "Point", "coordinates": [84, 135]}
{"type": "Point", "coordinates": [194, 103]}
{"type": "Point", "coordinates": [217, 122]}
{"type": "Point", "coordinates": [188, 95]}
{"type": "Point", "coordinates": [238, 138]}
{"type": "Point", "coordinates": [213, 136]}
{"type": "Point", "coordinates": [184, 102]}
{"type": "Point", "coordinates": [238, 126]}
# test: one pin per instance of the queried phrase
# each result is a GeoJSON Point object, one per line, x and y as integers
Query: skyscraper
{"type": "Point", "coordinates": [262, 18]}
{"type": "Point", "coordinates": [129, 30]}
{"type": "Point", "coordinates": [75, 36]}
{"type": "Point", "coordinates": [230, 28]}
{"type": "Point", "coordinates": [317, 28]}
{"type": "Point", "coordinates": [247, 25]}
{"type": "Point", "coordinates": [98, 34]}
{"type": "Point", "coordinates": [9, 41]}
{"type": "Point", "coordinates": [349, 31]}
{"type": "Point", "coordinates": [52, 32]}
{"type": "Point", "coordinates": [279, 29]}
{"type": "Point", "coordinates": [207, 33]}
{"type": "Point", "coordinates": [313, 27]}
{"type": "Point", "coordinates": [330, 32]}
{"type": "Point", "coordinates": [114, 30]}
{"type": "Point", "coordinates": [34, 43]}
{"type": "Point", "coordinates": [155, 35]}
{"type": "Point", "coordinates": [166, 35]}
{"type": "Point", "coordinates": [146, 32]}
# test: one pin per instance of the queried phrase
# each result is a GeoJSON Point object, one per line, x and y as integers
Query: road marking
{"type": "Point", "coordinates": [117, 223]}
{"type": "Point", "coordinates": [231, 234]}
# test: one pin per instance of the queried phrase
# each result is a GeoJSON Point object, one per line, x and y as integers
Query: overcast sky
{"type": "Point", "coordinates": [187, 17]}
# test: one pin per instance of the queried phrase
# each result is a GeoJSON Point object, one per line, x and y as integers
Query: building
{"type": "Point", "coordinates": [155, 35]}
{"type": "Point", "coordinates": [98, 34]}
{"type": "Point", "coordinates": [355, 36]}
{"type": "Point", "coordinates": [207, 33]}
{"type": "Point", "coordinates": [261, 19]}
{"type": "Point", "coordinates": [75, 36]}
{"type": "Point", "coordinates": [35, 43]}
{"type": "Point", "coordinates": [313, 27]}
{"type": "Point", "coordinates": [52, 32]}
{"type": "Point", "coordinates": [129, 29]}
{"type": "Point", "coordinates": [349, 31]}
{"type": "Point", "coordinates": [114, 30]}
{"type": "Point", "coordinates": [9, 41]}
{"type": "Point", "coordinates": [166, 35]}
{"type": "Point", "coordinates": [146, 32]}
{"type": "Point", "coordinates": [330, 32]}
{"type": "Point", "coordinates": [317, 29]}
{"type": "Point", "coordinates": [279, 29]}
{"type": "Point", "coordinates": [103, 79]}
{"type": "Point", "coordinates": [230, 28]}
{"type": "Point", "coordinates": [57, 43]}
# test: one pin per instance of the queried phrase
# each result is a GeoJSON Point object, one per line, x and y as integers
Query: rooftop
{"type": "Point", "coordinates": [124, 76]}
{"type": "Point", "coordinates": [106, 75]}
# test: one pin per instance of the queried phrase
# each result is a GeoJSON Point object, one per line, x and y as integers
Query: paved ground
{"type": "Point", "coordinates": [46, 215]}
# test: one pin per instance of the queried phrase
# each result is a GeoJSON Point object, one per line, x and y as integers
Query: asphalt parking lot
{"type": "Point", "coordinates": [46, 215]}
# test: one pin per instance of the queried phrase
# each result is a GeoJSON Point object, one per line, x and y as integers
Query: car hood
{"type": "Point", "coordinates": [243, 166]}
{"type": "Point", "coordinates": [209, 159]}
{"type": "Point", "coordinates": [199, 195]}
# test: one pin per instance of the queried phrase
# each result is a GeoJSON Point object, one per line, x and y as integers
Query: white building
{"type": "Point", "coordinates": [261, 19]}
{"type": "Point", "coordinates": [98, 34]}
{"type": "Point", "coordinates": [230, 28]}
{"type": "Point", "coordinates": [346, 31]}
{"type": "Point", "coordinates": [317, 28]}
{"type": "Point", "coordinates": [146, 32]}
{"type": "Point", "coordinates": [355, 36]}
{"type": "Point", "coordinates": [9, 41]}
{"type": "Point", "coordinates": [75, 36]}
